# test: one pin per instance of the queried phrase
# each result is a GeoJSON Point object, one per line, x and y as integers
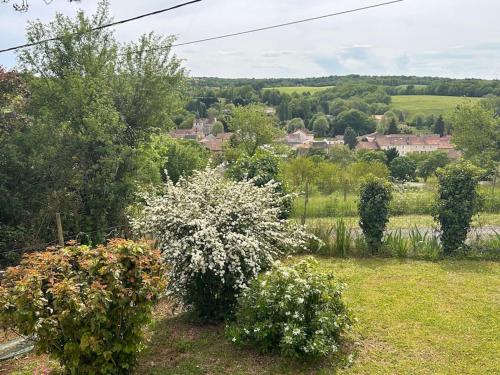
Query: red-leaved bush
{"type": "Point", "coordinates": [85, 306]}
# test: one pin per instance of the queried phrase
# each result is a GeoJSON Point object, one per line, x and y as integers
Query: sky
{"type": "Point", "coordinates": [447, 38]}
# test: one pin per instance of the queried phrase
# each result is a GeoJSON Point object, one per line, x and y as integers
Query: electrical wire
{"type": "Point", "coordinates": [27, 45]}
{"type": "Point", "coordinates": [287, 23]}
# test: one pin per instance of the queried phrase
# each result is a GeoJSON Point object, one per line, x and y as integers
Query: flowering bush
{"type": "Point", "coordinates": [216, 236]}
{"type": "Point", "coordinates": [86, 307]}
{"type": "Point", "coordinates": [295, 310]}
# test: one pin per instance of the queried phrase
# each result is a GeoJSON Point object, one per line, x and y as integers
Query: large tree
{"type": "Point", "coordinates": [94, 104]}
{"type": "Point", "coordinates": [355, 119]}
{"type": "Point", "coordinates": [252, 128]}
{"type": "Point", "coordinates": [476, 132]}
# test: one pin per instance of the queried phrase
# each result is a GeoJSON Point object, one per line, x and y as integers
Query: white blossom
{"type": "Point", "coordinates": [207, 224]}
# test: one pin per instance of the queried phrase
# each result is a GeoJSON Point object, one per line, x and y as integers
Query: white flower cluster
{"type": "Point", "coordinates": [207, 224]}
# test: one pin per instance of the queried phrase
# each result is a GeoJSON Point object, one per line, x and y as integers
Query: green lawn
{"type": "Point", "coordinates": [299, 89]}
{"type": "Point", "coordinates": [427, 104]}
{"type": "Point", "coordinates": [415, 317]}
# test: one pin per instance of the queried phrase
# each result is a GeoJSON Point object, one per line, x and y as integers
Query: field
{"type": "Point", "coordinates": [300, 89]}
{"type": "Point", "coordinates": [415, 317]}
{"type": "Point", "coordinates": [427, 104]}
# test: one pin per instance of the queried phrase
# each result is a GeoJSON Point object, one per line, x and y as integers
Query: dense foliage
{"type": "Point", "coordinates": [86, 307]}
{"type": "Point", "coordinates": [74, 144]}
{"type": "Point", "coordinates": [183, 157]}
{"type": "Point", "coordinates": [375, 196]}
{"type": "Point", "coordinates": [296, 310]}
{"type": "Point", "coordinates": [458, 200]}
{"type": "Point", "coordinates": [262, 168]}
{"type": "Point", "coordinates": [216, 236]}
{"type": "Point", "coordinates": [403, 168]}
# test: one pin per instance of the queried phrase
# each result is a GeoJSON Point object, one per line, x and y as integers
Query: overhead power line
{"type": "Point", "coordinates": [102, 26]}
{"type": "Point", "coordinates": [287, 23]}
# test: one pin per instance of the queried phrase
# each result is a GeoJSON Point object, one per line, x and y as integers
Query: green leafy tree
{"type": "Point", "coordinates": [183, 158]}
{"type": "Point", "coordinates": [252, 128]}
{"type": "Point", "coordinates": [262, 168]}
{"type": "Point", "coordinates": [403, 169]}
{"type": "Point", "coordinates": [370, 156]}
{"type": "Point", "coordinates": [350, 138]}
{"type": "Point", "coordinates": [457, 202]}
{"type": "Point", "coordinates": [391, 154]}
{"type": "Point", "coordinates": [321, 126]}
{"type": "Point", "coordinates": [355, 119]}
{"type": "Point", "coordinates": [341, 154]}
{"type": "Point", "coordinates": [218, 128]}
{"type": "Point", "coordinates": [375, 196]}
{"type": "Point", "coordinates": [295, 124]}
{"type": "Point", "coordinates": [476, 132]}
{"type": "Point", "coordinates": [94, 104]}
{"type": "Point", "coordinates": [301, 173]}
{"type": "Point", "coordinates": [188, 122]}
{"type": "Point", "coordinates": [429, 163]}
{"type": "Point", "coordinates": [392, 128]}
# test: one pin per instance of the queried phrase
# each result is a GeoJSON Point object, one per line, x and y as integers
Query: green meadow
{"type": "Point", "coordinates": [427, 104]}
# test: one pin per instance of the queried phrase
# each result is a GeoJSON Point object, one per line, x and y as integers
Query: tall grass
{"type": "Point", "coordinates": [405, 202]}
{"type": "Point", "coordinates": [336, 239]}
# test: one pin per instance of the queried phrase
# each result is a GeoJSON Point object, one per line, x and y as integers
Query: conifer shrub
{"type": "Point", "coordinates": [373, 208]}
{"type": "Point", "coordinates": [85, 307]}
{"type": "Point", "coordinates": [458, 200]}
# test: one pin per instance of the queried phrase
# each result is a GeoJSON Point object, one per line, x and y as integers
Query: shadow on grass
{"type": "Point", "coordinates": [179, 346]}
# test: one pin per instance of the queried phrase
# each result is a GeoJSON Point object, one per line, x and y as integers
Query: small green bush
{"type": "Point", "coordinates": [458, 200]}
{"type": "Point", "coordinates": [375, 196]}
{"type": "Point", "coordinates": [294, 310]}
{"type": "Point", "coordinates": [86, 306]}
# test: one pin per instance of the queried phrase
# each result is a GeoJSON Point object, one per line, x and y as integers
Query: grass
{"type": "Point", "coordinates": [410, 221]}
{"type": "Point", "coordinates": [427, 104]}
{"type": "Point", "coordinates": [409, 202]}
{"type": "Point", "coordinates": [299, 89]}
{"type": "Point", "coordinates": [415, 317]}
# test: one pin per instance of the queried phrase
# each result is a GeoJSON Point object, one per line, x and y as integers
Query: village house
{"type": "Point", "coordinates": [407, 143]}
{"type": "Point", "coordinates": [193, 134]}
{"type": "Point", "coordinates": [299, 138]}
{"type": "Point", "coordinates": [199, 132]}
{"type": "Point", "coordinates": [204, 125]}
{"type": "Point", "coordinates": [304, 140]}
{"type": "Point", "coordinates": [215, 143]}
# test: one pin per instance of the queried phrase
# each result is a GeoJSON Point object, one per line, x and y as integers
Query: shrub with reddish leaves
{"type": "Point", "coordinates": [85, 306]}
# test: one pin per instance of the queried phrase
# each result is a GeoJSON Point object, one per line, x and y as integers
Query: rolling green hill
{"type": "Point", "coordinates": [427, 104]}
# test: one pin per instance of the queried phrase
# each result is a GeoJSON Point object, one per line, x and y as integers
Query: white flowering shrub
{"type": "Point", "coordinates": [294, 310]}
{"type": "Point", "coordinates": [216, 236]}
